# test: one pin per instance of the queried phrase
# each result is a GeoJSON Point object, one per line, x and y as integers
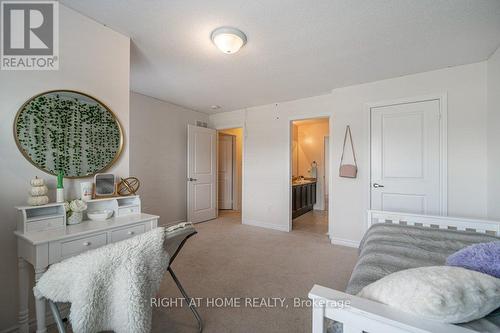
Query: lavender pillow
{"type": "Point", "coordinates": [482, 257]}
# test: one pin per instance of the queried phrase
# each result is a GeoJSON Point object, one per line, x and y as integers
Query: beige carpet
{"type": "Point", "coordinates": [228, 259]}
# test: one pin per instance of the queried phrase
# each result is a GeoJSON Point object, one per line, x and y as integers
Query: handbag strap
{"type": "Point", "coordinates": [348, 132]}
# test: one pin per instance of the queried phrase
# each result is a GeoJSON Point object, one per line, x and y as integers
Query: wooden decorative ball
{"type": "Point", "coordinates": [128, 186]}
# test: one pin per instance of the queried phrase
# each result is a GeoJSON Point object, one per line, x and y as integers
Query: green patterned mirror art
{"type": "Point", "coordinates": [68, 131]}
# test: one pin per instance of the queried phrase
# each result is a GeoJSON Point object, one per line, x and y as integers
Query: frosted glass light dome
{"type": "Point", "coordinates": [228, 40]}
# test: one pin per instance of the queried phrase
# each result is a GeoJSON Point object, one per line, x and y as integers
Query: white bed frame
{"type": "Point", "coordinates": [360, 315]}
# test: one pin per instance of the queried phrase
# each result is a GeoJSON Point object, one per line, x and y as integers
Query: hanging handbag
{"type": "Point", "coordinates": [348, 170]}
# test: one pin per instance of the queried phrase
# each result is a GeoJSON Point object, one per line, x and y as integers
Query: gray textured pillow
{"type": "Point", "coordinates": [445, 294]}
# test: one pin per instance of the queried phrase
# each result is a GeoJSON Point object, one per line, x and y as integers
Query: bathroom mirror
{"type": "Point", "coordinates": [69, 131]}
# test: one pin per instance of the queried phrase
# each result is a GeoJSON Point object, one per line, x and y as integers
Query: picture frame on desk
{"type": "Point", "coordinates": [104, 185]}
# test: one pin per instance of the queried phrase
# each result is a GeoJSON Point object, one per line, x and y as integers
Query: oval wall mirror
{"type": "Point", "coordinates": [69, 131]}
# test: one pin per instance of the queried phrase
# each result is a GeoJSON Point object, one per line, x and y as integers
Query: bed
{"type": "Point", "coordinates": [394, 242]}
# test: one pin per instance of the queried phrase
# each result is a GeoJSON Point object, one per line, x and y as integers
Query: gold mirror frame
{"type": "Point", "coordinates": [27, 157]}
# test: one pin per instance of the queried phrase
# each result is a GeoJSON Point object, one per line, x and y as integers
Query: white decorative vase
{"type": "Point", "coordinates": [75, 218]}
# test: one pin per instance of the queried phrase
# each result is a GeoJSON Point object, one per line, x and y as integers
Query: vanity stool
{"type": "Point", "coordinates": [175, 238]}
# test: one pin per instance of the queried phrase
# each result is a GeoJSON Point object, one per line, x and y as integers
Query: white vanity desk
{"type": "Point", "coordinates": [43, 238]}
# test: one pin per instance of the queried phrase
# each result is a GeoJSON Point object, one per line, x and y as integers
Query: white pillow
{"type": "Point", "coordinates": [445, 294]}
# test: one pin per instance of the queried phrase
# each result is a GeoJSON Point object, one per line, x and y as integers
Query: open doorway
{"type": "Point", "coordinates": [309, 174]}
{"type": "Point", "coordinates": [229, 172]}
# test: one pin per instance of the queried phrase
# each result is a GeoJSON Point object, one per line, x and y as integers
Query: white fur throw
{"type": "Point", "coordinates": [110, 288]}
{"type": "Point", "coordinates": [446, 294]}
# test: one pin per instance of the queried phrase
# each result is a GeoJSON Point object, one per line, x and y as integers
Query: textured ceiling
{"type": "Point", "coordinates": [295, 48]}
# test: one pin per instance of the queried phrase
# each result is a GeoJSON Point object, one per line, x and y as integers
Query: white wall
{"type": "Point", "coordinates": [493, 74]}
{"type": "Point", "coordinates": [295, 151]}
{"type": "Point", "coordinates": [93, 59]}
{"type": "Point", "coordinates": [158, 154]}
{"type": "Point", "coordinates": [466, 90]}
{"type": "Point", "coordinates": [267, 147]}
{"type": "Point", "coordinates": [266, 187]}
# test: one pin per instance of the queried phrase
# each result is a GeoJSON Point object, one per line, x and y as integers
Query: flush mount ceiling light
{"type": "Point", "coordinates": [228, 40]}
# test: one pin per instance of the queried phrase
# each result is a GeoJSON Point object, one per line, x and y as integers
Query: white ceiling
{"type": "Point", "coordinates": [296, 48]}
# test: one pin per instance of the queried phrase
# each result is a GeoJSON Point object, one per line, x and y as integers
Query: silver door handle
{"type": "Point", "coordinates": [377, 185]}
{"type": "Point", "coordinates": [192, 179]}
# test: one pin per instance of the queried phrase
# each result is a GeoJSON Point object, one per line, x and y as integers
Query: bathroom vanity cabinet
{"type": "Point", "coordinates": [303, 197]}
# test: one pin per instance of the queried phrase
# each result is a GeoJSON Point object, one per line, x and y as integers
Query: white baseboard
{"type": "Point", "coordinates": [254, 223]}
{"type": "Point", "coordinates": [344, 242]}
{"type": "Point", "coordinates": [49, 320]}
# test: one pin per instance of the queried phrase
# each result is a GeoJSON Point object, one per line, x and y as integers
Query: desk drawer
{"type": "Point", "coordinates": [128, 210]}
{"type": "Point", "coordinates": [121, 234]}
{"type": "Point", "coordinates": [45, 224]}
{"type": "Point", "coordinates": [68, 248]}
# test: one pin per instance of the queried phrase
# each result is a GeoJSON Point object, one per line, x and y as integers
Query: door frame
{"type": "Point", "coordinates": [326, 139]}
{"type": "Point", "coordinates": [443, 144]}
{"type": "Point", "coordinates": [243, 142]}
{"type": "Point", "coordinates": [234, 170]}
{"type": "Point", "coordinates": [289, 164]}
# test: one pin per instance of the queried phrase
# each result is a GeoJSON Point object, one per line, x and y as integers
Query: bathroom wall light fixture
{"type": "Point", "coordinates": [228, 40]}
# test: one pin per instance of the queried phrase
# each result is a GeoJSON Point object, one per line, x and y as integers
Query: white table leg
{"type": "Point", "coordinates": [24, 286]}
{"type": "Point", "coordinates": [40, 305]}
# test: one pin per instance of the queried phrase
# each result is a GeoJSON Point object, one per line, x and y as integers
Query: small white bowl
{"type": "Point", "coordinates": [100, 215]}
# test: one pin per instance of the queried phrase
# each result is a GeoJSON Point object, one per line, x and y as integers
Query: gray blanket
{"type": "Point", "coordinates": [388, 248]}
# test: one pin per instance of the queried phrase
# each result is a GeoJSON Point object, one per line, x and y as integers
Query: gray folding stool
{"type": "Point", "coordinates": [174, 241]}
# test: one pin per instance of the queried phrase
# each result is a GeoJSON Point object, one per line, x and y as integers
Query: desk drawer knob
{"type": "Point", "coordinates": [131, 232]}
{"type": "Point", "coordinates": [86, 244]}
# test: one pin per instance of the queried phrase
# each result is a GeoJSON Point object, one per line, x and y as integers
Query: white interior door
{"type": "Point", "coordinates": [406, 158]}
{"type": "Point", "coordinates": [225, 171]}
{"type": "Point", "coordinates": [202, 174]}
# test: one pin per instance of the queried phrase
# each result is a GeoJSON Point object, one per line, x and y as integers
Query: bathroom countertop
{"type": "Point", "coordinates": [303, 182]}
